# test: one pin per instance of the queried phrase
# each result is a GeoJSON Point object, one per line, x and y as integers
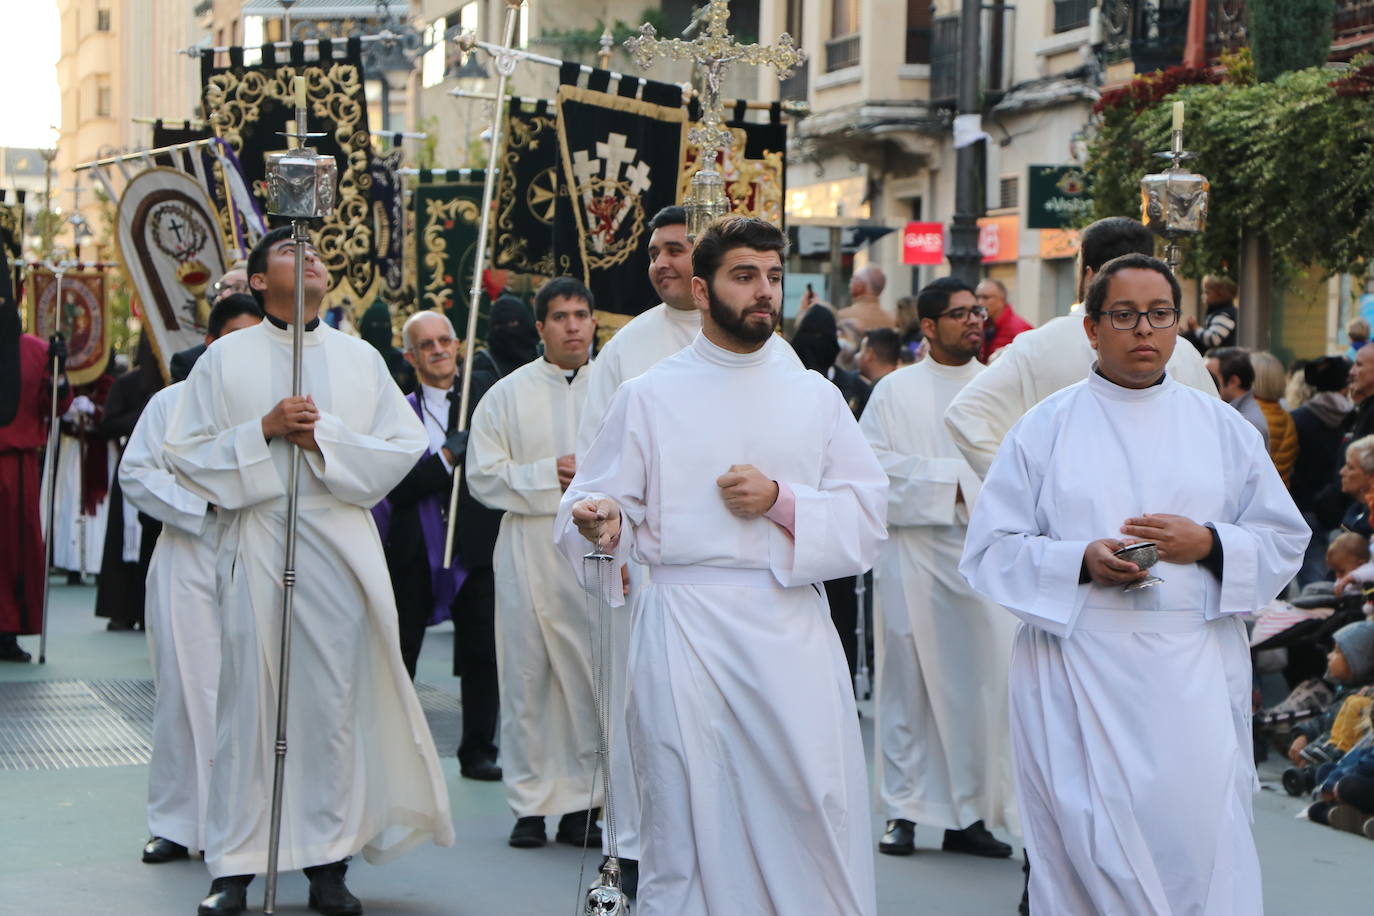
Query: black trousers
{"type": "Point", "coordinates": [844, 613]}
{"type": "Point", "coordinates": [474, 661]}
{"type": "Point", "coordinates": [474, 654]}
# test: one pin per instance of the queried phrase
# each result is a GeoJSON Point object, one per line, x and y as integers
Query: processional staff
{"type": "Point", "coordinates": [1173, 203]}
{"type": "Point", "coordinates": [57, 349]}
{"type": "Point", "coordinates": [505, 65]}
{"type": "Point", "coordinates": [301, 185]}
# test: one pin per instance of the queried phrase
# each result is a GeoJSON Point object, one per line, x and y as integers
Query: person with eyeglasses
{"type": "Point", "coordinates": [1053, 356]}
{"type": "Point", "coordinates": [1104, 675]}
{"type": "Point", "coordinates": [943, 740]}
{"type": "Point", "coordinates": [233, 282]}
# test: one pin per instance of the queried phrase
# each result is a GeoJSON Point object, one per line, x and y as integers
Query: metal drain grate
{"type": "Point", "coordinates": [58, 725]}
{"type": "Point", "coordinates": [51, 725]}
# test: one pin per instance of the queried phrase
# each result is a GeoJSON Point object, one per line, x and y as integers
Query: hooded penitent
{"type": "Point", "coordinates": [511, 336]}
{"type": "Point", "coordinates": [815, 339]}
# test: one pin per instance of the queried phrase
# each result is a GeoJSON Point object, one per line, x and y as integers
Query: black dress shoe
{"type": "Point", "coordinates": [1024, 908]}
{"type": "Point", "coordinates": [528, 833]}
{"type": "Point", "coordinates": [328, 893]}
{"type": "Point", "coordinates": [160, 849]}
{"type": "Point", "coordinates": [483, 770]}
{"type": "Point", "coordinates": [899, 839]}
{"type": "Point", "coordinates": [975, 840]}
{"type": "Point", "coordinates": [579, 829]}
{"type": "Point", "coordinates": [11, 651]}
{"type": "Point", "coordinates": [228, 896]}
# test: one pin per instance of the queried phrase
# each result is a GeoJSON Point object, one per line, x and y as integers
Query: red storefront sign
{"type": "Point", "coordinates": [923, 243]}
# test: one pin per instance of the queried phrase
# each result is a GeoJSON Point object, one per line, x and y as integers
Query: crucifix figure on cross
{"type": "Point", "coordinates": [713, 52]}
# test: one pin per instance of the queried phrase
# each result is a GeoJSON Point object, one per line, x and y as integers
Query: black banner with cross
{"type": "Point", "coordinates": [527, 191]}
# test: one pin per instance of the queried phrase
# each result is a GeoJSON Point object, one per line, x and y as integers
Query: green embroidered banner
{"type": "Point", "coordinates": [445, 220]}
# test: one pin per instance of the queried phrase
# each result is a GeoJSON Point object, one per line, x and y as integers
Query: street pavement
{"type": "Point", "coordinates": [71, 837]}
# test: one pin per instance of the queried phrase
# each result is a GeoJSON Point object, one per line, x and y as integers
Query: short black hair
{"type": "Point", "coordinates": [885, 345]}
{"type": "Point", "coordinates": [229, 308]}
{"type": "Point", "coordinates": [671, 215]}
{"type": "Point", "coordinates": [934, 297]}
{"type": "Point", "coordinates": [566, 287]}
{"type": "Point", "coordinates": [1234, 361]}
{"type": "Point", "coordinates": [1113, 237]}
{"type": "Point", "coordinates": [1097, 292]}
{"type": "Point", "coordinates": [731, 232]}
{"type": "Point", "coordinates": [257, 258]}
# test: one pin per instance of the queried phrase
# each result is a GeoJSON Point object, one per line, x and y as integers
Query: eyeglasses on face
{"type": "Point", "coordinates": [1127, 319]}
{"type": "Point", "coordinates": [962, 313]}
{"type": "Point", "coordinates": [233, 286]}
{"type": "Point", "coordinates": [444, 342]}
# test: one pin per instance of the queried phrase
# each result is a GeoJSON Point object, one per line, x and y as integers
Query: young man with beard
{"type": "Point", "coordinates": [1110, 684]}
{"type": "Point", "coordinates": [519, 461]}
{"type": "Point", "coordinates": [362, 774]}
{"type": "Point", "coordinates": [742, 484]}
{"type": "Point", "coordinates": [641, 344]}
{"type": "Point", "coordinates": [943, 738]}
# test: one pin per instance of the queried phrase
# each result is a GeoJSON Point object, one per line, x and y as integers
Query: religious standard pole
{"type": "Point", "coordinates": [505, 65]}
{"type": "Point", "coordinates": [300, 185]}
{"type": "Point", "coordinates": [964, 258]}
{"type": "Point", "coordinates": [56, 347]}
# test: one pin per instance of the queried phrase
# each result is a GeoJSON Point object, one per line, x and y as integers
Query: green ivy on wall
{"type": "Point", "coordinates": [1292, 160]}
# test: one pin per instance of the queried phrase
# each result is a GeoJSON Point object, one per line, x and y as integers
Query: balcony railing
{"type": "Point", "coordinates": [797, 87]}
{"type": "Point", "coordinates": [1354, 17]}
{"type": "Point", "coordinates": [918, 44]}
{"type": "Point", "coordinates": [944, 59]}
{"type": "Point", "coordinates": [1071, 14]}
{"type": "Point", "coordinates": [841, 53]}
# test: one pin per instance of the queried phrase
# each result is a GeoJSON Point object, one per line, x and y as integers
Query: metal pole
{"type": "Point", "coordinates": [288, 578]}
{"type": "Point", "coordinates": [505, 66]}
{"type": "Point", "coordinates": [964, 258]}
{"type": "Point", "coordinates": [861, 678]}
{"type": "Point", "coordinates": [49, 486]}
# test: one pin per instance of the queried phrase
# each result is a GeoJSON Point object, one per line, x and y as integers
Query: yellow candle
{"type": "Point", "coordinates": [1178, 116]}
{"type": "Point", "coordinates": [300, 93]}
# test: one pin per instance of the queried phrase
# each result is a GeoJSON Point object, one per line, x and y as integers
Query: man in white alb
{"type": "Point", "coordinates": [1131, 707]}
{"type": "Point", "coordinates": [944, 750]}
{"type": "Point", "coordinates": [1041, 361]}
{"type": "Point", "coordinates": [361, 772]}
{"type": "Point", "coordinates": [742, 484]}
{"type": "Point", "coordinates": [181, 616]}
{"type": "Point", "coordinates": [520, 460]}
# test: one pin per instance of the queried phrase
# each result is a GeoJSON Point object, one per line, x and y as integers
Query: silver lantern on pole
{"type": "Point", "coordinates": [301, 185]}
{"type": "Point", "coordinates": [1173, 203]}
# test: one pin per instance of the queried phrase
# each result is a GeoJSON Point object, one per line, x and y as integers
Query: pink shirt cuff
{"type": "Point", "coordinates": [784, 511]}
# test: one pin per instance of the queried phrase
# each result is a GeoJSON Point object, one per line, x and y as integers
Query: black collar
{"type": "Point", "coordinates": [310, 325]}
{"type": "Point", "coordinates": [1154, 384]}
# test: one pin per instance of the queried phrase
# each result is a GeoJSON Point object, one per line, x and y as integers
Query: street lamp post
{"type": "Point", "coordinates": [964, 258]}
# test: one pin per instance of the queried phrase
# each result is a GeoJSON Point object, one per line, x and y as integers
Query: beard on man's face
{"type": "Point", "coordinates": [736, 324]}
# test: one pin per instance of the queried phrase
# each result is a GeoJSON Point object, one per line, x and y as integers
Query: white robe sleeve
{"type": "Point", "coordinates": [985, 409]}
{"type": "Point", "coordinates": [495, 478]}
{"type": "Point", "coordinates": [602, 381]}
{"type": "Point", "coordinates": [922, 489]}
{"type": "Point", "coordinates": [230, 466]}
{"type": "Point", "coordinates": [615, 467]}
{"type": "Point", "coordinates": [147, 483]}
{"type": "Point", "coordinates": [360, 467]}
{"type": "Point", "coordinates": [840, 522]}
{"type": "Point", "coordinates": [1007, 556]}
{"type": "Point", "coordinates": [1262, 547]}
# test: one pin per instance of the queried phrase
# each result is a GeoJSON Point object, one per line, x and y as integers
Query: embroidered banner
{"type": "Point", "coordinates": [445, 217]}
{"type": "Point", "coordinates": [620, 160]}
{"type": "Point", "coordinates": [82, 313]}
{"type": "Point", "coordinates": [754, 167]}
{"type": "Point", "coordinates": [248, 107]}
{"type": "Point", "coordinates": [527, 191]}
{"type": "Point", "coordinates": [171, 249]}
{"type": "Point", "coordinates": [388, 220]}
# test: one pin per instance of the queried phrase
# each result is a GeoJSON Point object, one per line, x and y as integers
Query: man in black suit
{"type": "Point", "coordinates": [414, 541]}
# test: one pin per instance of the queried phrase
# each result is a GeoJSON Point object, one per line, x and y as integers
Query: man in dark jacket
{"type": "Point", "coordinates": [1218, 328]}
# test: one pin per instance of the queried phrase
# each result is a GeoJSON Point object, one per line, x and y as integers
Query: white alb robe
{"type": "Point", "coordinates": [543, 652]}
{"type": "Point", "coordinates": [649, 338]}
{"type": "Point", "coordinates": [741, 719]}
{"type": "Point", "coordinates": [182, 620]}
{"type": "Point", "coordinates": [943, 735]}
{"type": "Point", "coordinates": [1131, 710]}
{"type": "Point", "coordinates": [1031, 368]}
{"type": "Point", "coordinates": [361, 769]}
{"type": "Point", "coordinates": [79, 540]}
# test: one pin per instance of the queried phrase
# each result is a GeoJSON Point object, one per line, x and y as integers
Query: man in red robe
{"type": "Point", "coordinates": [25, 370]}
